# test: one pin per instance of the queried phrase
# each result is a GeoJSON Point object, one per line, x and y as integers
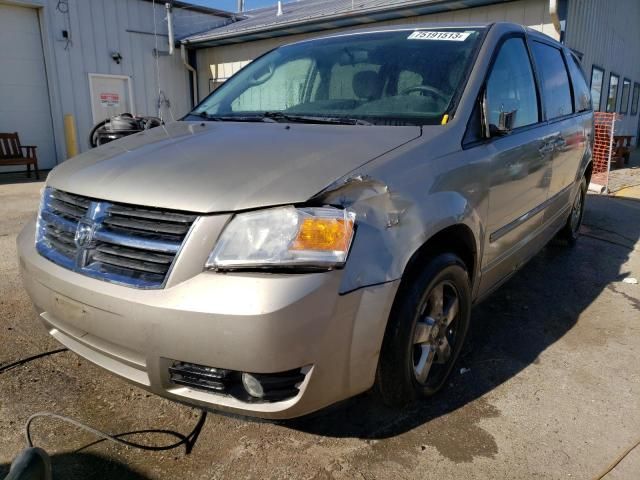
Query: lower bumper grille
{"type": "Point", "coordinates": [199, 377]}
{"type": "Point", "coordinates": [276, 386]}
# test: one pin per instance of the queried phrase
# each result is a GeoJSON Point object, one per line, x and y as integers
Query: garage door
{"type": "Point", "coordinates": [24, 97]}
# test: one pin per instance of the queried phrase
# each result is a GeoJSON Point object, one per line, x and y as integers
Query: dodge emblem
{"type": "Point", "coordinates": [84, 233]}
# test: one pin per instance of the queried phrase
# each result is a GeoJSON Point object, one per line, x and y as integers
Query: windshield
{"type": "Point", "coordinates": [384, 78]}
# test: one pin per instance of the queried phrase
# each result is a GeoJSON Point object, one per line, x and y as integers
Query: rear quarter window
{"type": "Point", "coordinates": [556, 89]}
{"type": "Point", "coordinates": [581, 92]}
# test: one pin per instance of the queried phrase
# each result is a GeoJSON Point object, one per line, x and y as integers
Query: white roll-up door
{"type": "Point", "coordinates": [24, 96]}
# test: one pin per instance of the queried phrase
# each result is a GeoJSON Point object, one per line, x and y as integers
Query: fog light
{"type": "Point", "coordinates": [252, 385]}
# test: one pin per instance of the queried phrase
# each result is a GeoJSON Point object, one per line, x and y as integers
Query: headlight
{"type": "Point", "coordinates": [285, 236]}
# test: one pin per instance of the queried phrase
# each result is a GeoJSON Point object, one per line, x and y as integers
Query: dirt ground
{"type": "Point", "coordinates": [552, 388]}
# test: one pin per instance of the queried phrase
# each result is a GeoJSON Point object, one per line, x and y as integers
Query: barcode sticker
{"type": "Point", "coordinates": [431, 35]}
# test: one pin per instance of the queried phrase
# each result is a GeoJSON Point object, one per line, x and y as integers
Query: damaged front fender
{"type": "Point", "coordinates": [392, 226]}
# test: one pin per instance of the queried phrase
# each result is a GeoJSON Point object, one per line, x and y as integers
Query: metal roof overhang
{"type": "Point", "coordinates": [320, 23]}
{"type": "Point", "coordinates": [199, 8]}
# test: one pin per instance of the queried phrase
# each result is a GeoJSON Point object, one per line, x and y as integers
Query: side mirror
{"type": "Point", "coordinates": [484, 109]}
{"type": "Point", "coordinates": [506, 121]}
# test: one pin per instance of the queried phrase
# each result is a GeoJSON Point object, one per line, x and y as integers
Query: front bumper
{"type": "Point", "coordinates": [257, 323]}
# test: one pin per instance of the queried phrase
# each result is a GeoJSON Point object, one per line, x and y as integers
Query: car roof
{"type": "Point", "coordinates": [506, 27]}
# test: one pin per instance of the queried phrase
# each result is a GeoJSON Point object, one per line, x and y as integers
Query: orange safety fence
{"type": "Point", "coordinates": [604, 129]}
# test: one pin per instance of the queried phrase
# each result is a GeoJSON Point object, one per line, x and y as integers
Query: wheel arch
{"type": "Point", "coordinates": [588, 171]}
{"type": "Point", "coordinates": [458, 239]}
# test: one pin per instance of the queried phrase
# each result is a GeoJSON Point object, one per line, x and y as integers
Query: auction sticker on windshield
{"type": "Point", "coordinates": [431, 35]}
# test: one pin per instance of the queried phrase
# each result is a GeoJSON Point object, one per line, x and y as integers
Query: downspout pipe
{"type": "Point", "coordinates": [194, 76]}
{"type": "Point", "coordinates": [170, 27]}
{"type": "Point", "coordinates": [558, 14]}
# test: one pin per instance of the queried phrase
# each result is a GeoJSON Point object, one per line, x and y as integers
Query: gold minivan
{"type": "Point", "coordinates": [322, 223]}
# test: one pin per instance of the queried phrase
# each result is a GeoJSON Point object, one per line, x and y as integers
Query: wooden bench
{"type": "Point", "coordinates": [12, 153]}
{"type": "Point", "coordinates": [621, 149]}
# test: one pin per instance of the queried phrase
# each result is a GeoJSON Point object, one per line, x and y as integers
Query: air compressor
{"type": "Point", "coordinates": [120, 126]}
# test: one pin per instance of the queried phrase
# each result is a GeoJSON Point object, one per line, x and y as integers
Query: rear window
{"type": "Point", "coordinates": [555, 80]}
{"type": "Point", "coordinates": [581, 93]}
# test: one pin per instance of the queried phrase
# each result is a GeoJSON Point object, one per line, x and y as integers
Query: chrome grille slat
{"type": "Point", "coordinates": [72, 199]}
{"type": "Point", "coordinates": [137, 242]}
{"type": "Point", "coordinates": [54, 231]}
{"type": "Point", "coordinates": [152, 215]}
{"type": "Point", "coordinates": [124, 244]}
{"type": "Point", "coordinates": [59, 222]}
{"type": "Point", "coordinates": [135, 254]}
{"type": "Point", "coordinates": [129, 263]}
{"type": "Point", "coordinates": [67, 209]}
{"type": "Point", "coordinates": [147, 225]}
{"type": "Point", "coordinates": [63, 247]}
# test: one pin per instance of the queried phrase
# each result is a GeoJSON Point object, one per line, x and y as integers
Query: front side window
{"type": "Point", "coordinates": [635, 98]}
{"type": "Point", "coordinates": [597, 79]}
{"type": "Point", "coordinates": [511, 86]}
{"type": "Point", "coordinates": [626, 91]}
{"type": "Point", "coordinates": [389, 78]}
{"type": "Point", "coordinates": [612, 98]}
{"type": "Point", "coordinates": [556, 90]}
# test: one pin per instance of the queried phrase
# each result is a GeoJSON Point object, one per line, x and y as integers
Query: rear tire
{"type": "Point", "coordinates": [425, 333]}
{"type": "Point", "coordinates": [571, 231]}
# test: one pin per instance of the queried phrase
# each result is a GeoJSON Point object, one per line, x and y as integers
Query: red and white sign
{"type": "Point", "coordinates": [109, 99]}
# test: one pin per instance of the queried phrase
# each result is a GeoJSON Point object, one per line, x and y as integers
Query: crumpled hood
{"type": "Point", "coordinates": [225, 166]}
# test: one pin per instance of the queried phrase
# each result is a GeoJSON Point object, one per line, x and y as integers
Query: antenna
{"type": "Point", "coordinates": [279, 12]}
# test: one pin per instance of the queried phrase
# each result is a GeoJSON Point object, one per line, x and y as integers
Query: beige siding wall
{"type": "Point", "coordinates": [218, 63]}
{"type": "Point", "coordinates": [607, 33]}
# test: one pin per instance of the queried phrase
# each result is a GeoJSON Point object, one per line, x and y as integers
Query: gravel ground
{"type": "Point", "coordinates": [552, 388]}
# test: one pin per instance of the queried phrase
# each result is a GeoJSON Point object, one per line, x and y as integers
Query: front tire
{"type": "Point", "coordinates": [426, 330]}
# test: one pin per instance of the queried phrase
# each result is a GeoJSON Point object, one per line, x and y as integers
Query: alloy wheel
{"type": "Point", "coordinates": [435, 334]}
{"type": "Point", "coordinates": [576, 212]}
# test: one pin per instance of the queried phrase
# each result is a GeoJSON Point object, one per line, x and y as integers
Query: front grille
{"type": "Point", "coordinates": [124, 244]}
{"type": "Point", "coordinates": [276, 386]}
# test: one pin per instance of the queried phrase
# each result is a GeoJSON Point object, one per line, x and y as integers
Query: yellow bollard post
{"type": "Point", "coordinates": [70, 136]}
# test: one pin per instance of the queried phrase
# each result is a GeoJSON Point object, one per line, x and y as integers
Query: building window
{"type": "Point", "coordinates": [626, 90]}
{"type": "Point", "coordinates": [612, 99]}
{"type": "Point", "coordinates": [634, 99]}
{"type": "Point", "coordinates": [597, 77]}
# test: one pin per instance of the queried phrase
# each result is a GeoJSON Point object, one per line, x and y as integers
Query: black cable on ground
{"type": "Point", "coordinates": [17, 363]}
{"type": "Point", "coordinates": [189, 440]}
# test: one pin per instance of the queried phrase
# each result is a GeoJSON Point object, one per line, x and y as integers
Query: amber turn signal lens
{"type": "Point", "coordinates": [326, 234]}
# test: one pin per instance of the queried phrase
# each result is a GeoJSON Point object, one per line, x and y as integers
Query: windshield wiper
{"type": "Point", "coordinates": [282, 117]}
{"type": "Point", "coordinates": [289, 117]}
{"type": "Point", "coordinates": [231, 118]}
